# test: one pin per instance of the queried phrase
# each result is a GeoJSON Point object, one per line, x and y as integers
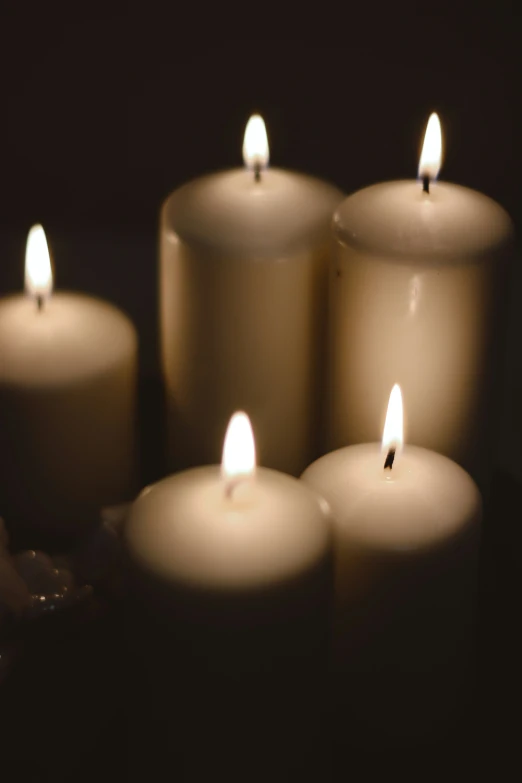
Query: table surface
{"type": "Point", "coordinates": [64, 705]}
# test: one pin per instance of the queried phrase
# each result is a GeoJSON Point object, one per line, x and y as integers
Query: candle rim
{"type": "Point", "coordinates": [32, 358]}
{"type": "Point", "coordinates": [197, 216]}
{"type": "Point", "coordinates": [468, 504]}
{"type": "Point", "coordinates": [309, 529]}
{"type": "Point", "coordinates": [488, 233]}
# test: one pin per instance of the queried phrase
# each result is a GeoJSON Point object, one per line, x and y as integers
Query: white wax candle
{"type": "Point", "coordinates": [414, 297]}
{"type": "Point", "coordinates": [199, 530]}
{"type": "Point", "coordinates": [231, 587]}
{"type": "Point", "coordinates": [243, 292]}
{"type": "Point", "coordinates": [406, 550]}
{"type": "Point", "coordinates": [67, 407]}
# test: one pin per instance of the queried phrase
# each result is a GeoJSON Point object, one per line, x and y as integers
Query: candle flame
{"type": "Point", "coordinates": [239, 451]}
{"type": "Point", "coordinates": [393, 434]}
{"type": "Point", "coordinates": [255, 144]}
{"type": "Point", "coordinates": [38, 272]}
{"type": "Point", "coordinates": [431, 156]}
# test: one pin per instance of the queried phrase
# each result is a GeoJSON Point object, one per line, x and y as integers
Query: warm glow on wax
{"type": "Point", "coordinates": [38, 273]}
{"type": "Point", "coordinates": [431, 156]}
{"type": "Point", "coordinates": [255, 144]}
{"type": "Point", "coordinates": [393, 435]}
{"type": "Point", "coordinates": [239, 451]}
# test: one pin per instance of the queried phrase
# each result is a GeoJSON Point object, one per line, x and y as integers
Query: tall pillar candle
{"type": "Point", "coordinates": [406, 536]}
{"type": "Point", "coordinates": [415, 292]}
{"type": "Point", "coordinates": [68, 367]}
{"type": "Point", "coordinates": [231, 577]}
{"type": "Point", "coordinates": [243, 277]}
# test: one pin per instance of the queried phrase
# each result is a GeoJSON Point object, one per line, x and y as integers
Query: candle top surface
{"type": "Point", "coordinates": [229, 212]}
{"type": "Point", "coordinates": [424, 500]}
{"type": "Point", "coordinates": [185, 530]}
{"type": "Point", "coordinates": [71, 338]}
{"type": "Point", "coordinates": [450, 223]}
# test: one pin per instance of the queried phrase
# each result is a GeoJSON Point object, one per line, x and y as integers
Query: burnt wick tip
{"type": "Point", "coordinates": [257, 173]}
{"type": "Point", "coordinates": [426, 184]}
{"type": "Point", "coordinates": [39, 302]}
{"type": "Point", "coordinates": [390, 457]}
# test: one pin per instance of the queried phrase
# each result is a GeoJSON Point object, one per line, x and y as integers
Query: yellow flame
{"type": "Point", "coordinates": [38, 272]}
{"type": "Point", "coordinates": [393, 434]}
{"type": "Point", "coordinates": [431, 156]}
{"type": "Point", "coordinates": [239, 450]}
{"type": "Point", "coordinates": [255, 144]}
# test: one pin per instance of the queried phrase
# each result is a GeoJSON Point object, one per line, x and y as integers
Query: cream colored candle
{"type": "Point", "coordinates": [406, 534]}
{"type": "Point", "coordinates": [67, 402]}
{"type": "Point", "coordinates": [414, 292]}
{"type": "Point", "coordinates": [243, 260]}
{"type": "Point", "coordinates": [232, 530]}
{"type": "Point", "coordinates": [231, 586]}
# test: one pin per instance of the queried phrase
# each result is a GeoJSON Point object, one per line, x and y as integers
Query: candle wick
{"type": "Point", "coordinates": [230, 487]}
{"type": "Point", "coordinates": [257, 172]}
{"type": "Point", "coordinates": [426, 184]}
{"type": "Point", "coordinates": [389, 459]}
{"type": "Point", "coordinates": [39, 302]}
{"type": "Point", "coordinates": [233, 483]}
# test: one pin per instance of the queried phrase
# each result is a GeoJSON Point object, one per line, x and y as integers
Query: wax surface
{"type": "Point", "coordinates": [451, 223]}
{"type": "Point", "coordinates": [71, 339]}
{"type": "Point", "coordinates": [422, 502]}
{"type": "Point", "coordinates": [67, 410]}
{"type": "Point", "coordinates": [233, 214]}
{"type": "Point", "coordinates": [184, 529]}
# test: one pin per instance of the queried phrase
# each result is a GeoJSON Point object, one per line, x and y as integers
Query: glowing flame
{"type": "Point", "coordinates": [38, 273]}
{"type": "Point", "coordinates": [255, 144]}
{"type": "Point", "coordinates": [393, 434]}
{"type": "Point", "coordinates": [431, 156]}
{"type": "Point", "coordinates": [239, 451]}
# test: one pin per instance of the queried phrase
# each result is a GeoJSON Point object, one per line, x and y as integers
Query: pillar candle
{"type": "Point", "coordinates": [243, 277]}
{"type": "Point", "coordinates": [231, 533]}
{"type": "Point", "coordinates": [230, 574]}
{"type": "Point", "coordinates": [415, 293]}
{"type": "Point", "coordinates": [68, 367]}
{"type": "Point", "coordinates": [406, 533]}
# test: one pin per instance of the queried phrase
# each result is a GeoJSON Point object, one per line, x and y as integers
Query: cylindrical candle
{"type": "Point", "coordinates": [243, 278]}
{"type": "Point", "coordinates": [227, 538]}
{"type": "Point", "coordinates": [406, 560]}
{"type": "Point", "coordinates": [234, 579]}
{"type": "Point", "coordinates": [68, 367]}
{"type": "Point", "coordinates": [414, 290]}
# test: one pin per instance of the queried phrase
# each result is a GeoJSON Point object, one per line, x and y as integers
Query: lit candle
{"type": "Point", "coordinates": [414, 291]}
{"type": "Point", "coordinates": [67, 402]}
{"type": "Point", "coordinates": [231, 580]}
{"type": "Point", "coordinates": [406, 532]}
{"type": "Point", "coordinates": [243, 277]}
{"type": "Point", "coordinates": [233, 530]}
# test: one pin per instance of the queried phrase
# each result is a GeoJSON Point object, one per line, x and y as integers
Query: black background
{"type": "Point", "coordinates": [102, 114]}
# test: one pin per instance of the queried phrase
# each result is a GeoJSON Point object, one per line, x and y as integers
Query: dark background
{"type": "Point", "coordinates": [103, 114]}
